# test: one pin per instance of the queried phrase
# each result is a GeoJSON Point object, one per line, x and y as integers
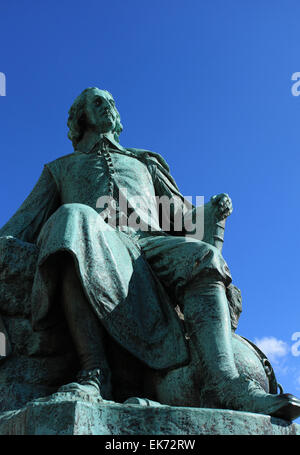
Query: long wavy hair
{"type": "Point", "coordinates": [77, 121]}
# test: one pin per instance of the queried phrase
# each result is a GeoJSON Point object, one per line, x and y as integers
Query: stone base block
{"type": "Point", "coordinates": [73, 417]}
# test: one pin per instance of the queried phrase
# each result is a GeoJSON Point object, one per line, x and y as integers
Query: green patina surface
{"type": "Point", "coordinates": [130, 306]}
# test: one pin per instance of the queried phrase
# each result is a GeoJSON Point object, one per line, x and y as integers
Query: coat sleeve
{"type": "Point", "coordinates": [174, 214]}
{"type": "Point", "coordinates": [43, 200]}
{"type": "Point", "coordinates": [185, 219]}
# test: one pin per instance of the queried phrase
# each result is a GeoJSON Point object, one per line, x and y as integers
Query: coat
{"type": "Point", "coordinates": [61, 214]}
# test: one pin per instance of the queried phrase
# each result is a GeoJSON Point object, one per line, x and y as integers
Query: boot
{"type": "Point", "coordinates": [208, 325]}
{"type": "Point", "coordinates": [87, 382]}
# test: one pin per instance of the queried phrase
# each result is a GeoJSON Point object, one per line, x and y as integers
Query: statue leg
{"type": "Point", "coordinates": [87, 335]}
{"type": "Point", "coordinates": [196, 274]}
{"type": "Point", "coordinates": [208, 323]}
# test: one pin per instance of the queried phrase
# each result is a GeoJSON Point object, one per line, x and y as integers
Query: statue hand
{"type": "Point", "coordinates": [223, 205]}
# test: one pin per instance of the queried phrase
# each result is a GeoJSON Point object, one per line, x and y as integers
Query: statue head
{"type": "Point", "coordinates": [93, 109]}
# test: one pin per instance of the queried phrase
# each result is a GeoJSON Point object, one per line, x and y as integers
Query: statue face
{"type": "Point", "coordinates": [101, 111]}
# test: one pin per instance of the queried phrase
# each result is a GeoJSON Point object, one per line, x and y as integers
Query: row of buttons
{"type": "Point", "coordinates": [103, 150]}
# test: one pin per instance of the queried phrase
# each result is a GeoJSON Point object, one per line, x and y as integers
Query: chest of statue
{"type": "Point", "coordinates": [83, 178]}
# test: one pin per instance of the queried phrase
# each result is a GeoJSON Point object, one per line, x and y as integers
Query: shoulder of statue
{"type": "Point", "coordinates": [55, 166]}
{"type": "Point", "coordinates": [59, 159]}
{"type": "Point", "coordinates": [150, 157]}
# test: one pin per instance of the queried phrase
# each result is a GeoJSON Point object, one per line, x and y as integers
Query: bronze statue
{"type": "Point", "coordinates": [130, 280]}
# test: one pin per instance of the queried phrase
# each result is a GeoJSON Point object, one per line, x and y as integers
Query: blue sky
{"type": "Point", "coordinates": [205, 83]}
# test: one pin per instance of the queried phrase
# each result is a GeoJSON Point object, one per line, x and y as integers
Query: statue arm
{"type": "Point", "coordinates": [206, 222]}
{"type": "Point", "coordinates": [165, 186]}
{"type": "Point", "coordinates": [43, 200]}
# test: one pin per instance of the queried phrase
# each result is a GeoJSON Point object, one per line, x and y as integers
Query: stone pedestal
{"type": "Point", "coordinates": [71, 417]}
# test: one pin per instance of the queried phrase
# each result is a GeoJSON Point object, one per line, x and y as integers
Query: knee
{"type": "Point", "coordinates": [75, 208]}
{"type": "Point", "coordinates": [82, 213]}
{"type": "Point", "coordinates": [203, 252]}
{"type": "Point", "coordinates": [209, 262]}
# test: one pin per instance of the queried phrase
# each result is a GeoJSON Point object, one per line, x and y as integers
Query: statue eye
{"type": "Point", "coordinates": [98, 102]}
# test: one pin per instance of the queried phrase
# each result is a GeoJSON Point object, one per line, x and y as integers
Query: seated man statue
{"type": "Point", "coordinates": [107, 259]}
